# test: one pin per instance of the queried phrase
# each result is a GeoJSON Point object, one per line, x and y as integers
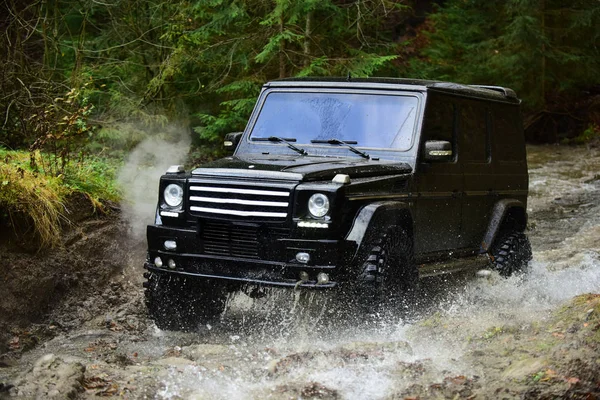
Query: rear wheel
{"type": "Point", "coordinates": [511, 253]}
{"type": "Point", "coordinates": [389, 276]}
{"type": "Point", "coordinates": [177, 303]}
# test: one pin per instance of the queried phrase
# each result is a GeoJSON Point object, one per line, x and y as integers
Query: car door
{"type": "Point", "coordinates": [478, 195]}
{"type": "Point", "coordinates": [439, 184]}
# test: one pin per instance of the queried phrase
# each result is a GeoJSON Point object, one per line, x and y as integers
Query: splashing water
{"type": "Point", "coordinates": [312, 345]}
{"type": "Point", "coordinates": [282, 349]}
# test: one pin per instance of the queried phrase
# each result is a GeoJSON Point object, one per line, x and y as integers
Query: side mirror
{"type": "Point", "coordinates": [231, 141]}
{"type": "Point", "coordinates": [438, 150]}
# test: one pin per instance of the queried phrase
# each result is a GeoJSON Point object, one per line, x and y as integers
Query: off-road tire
{"type": "Point", "coordinates": [388, 277]}
{"type": "Point", "coordinates": [511, 253]}
{"type": "Point", "coordinates": [180, 304]}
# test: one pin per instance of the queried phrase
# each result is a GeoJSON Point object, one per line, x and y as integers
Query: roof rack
{"type": "Point", "coordinates": [505, 91]}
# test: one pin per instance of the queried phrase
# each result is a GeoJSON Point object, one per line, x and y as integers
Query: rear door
{"type": "Point", "coordinates": [479, 194]}
{"type": "Point", "coordinates": [438, 184]}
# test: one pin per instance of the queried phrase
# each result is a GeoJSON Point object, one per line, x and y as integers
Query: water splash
{"type": "Point", "coordinates": [285, 342]}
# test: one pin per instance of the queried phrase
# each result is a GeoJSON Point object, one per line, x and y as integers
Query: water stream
{"type": "Point", "coordinates": [565, 232]}
{"type": "Point", "coordinates": [311, 346]}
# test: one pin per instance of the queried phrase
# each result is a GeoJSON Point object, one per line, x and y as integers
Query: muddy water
{"type": "Point", "coordinates": [310, 346]}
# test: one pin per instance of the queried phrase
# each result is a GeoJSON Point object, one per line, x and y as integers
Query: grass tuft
{"type": "Point", "coordinates": [39, 199]}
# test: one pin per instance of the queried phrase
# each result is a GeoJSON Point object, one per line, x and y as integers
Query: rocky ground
{"type": "Point", "coordinates": [75, 326]}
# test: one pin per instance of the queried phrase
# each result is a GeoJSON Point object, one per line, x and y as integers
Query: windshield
{"type": "Point", "coordinates": [366, 120]}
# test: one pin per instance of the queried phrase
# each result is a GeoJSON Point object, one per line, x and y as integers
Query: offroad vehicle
{"type": "Point", "coordinates": [350, 184]}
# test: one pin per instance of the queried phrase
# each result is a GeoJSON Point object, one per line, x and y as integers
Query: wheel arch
{"type": "Point", "coordinates": [375, 215]}
{"type": "Point", "coordinates": [506, 214]}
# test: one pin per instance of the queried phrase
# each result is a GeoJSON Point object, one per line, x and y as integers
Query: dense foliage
{"type": "Point", "coordinates": [85, 79]}
{"type": "Point", "coordinates": [80, 69]}
{"type": "Point", "coordinates": [547, 50]}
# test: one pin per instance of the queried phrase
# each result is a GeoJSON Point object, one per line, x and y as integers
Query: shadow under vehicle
{"type": "Point", "coordinates": [360, 185]}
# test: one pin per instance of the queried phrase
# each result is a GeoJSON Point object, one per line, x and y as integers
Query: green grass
{"type": "Point", "coordinates": [39, 198]}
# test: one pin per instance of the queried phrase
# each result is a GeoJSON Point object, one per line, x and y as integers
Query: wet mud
{"type": "Point", "coordinates": [529, 337]}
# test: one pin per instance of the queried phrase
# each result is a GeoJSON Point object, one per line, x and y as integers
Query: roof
{"type": "Point", "coordinates": [482, 91]}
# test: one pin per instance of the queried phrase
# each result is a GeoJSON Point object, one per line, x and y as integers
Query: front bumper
{"type": "Point", "coordinates": [274, 264]}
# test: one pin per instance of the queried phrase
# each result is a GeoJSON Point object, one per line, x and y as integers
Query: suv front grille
{"type": "Point", "coordinates": [230, 240]}
{"type": "Point", "coordinates": [237, 240]}
{"type": "Point", "coordinates": [240, 202]}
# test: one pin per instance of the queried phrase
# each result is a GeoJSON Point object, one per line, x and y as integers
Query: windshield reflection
{"type": "Point", "coordinates": [372, 120]}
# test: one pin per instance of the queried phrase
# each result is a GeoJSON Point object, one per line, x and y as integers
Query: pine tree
{"type": "Point", "coordinates": [540, 48]}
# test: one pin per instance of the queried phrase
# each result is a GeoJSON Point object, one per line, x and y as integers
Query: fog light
{"type": "Point", "coordinates": [303, 257]}
{"type": "Point", "coordinates": [170, 244]}
{"type": "Point", "coordinates": [322, 278]}
{"type": "Point", "coordinates": [158, 262]}
{"type": "Point", "coordinates": [304, 276]}
{"type": "Point", "coordinates": [172, 264]}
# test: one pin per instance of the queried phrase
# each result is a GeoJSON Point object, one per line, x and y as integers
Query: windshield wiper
{"type": "Point", "coordinates": [344, 143]}
{"type": "Point", "coordinates": [282, 140]}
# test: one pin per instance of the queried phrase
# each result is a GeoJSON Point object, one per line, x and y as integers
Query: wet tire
{"type": "Point", "coordinates": [389, 276]}
{"type": "Point", "coordinates": [511, 253]}
{"type": "Point", "coordinates": [181, 304]}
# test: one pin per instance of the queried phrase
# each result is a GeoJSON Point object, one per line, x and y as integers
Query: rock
{"type": "Point", "coordinates": [524, 368]}
{"type": "Point", "coordinates": [202, 352]}
{"type": "Point", "coordinates": [375, 347]}
{"type": "Point", "coordinates": [8, 360]}
{"type": "Point", "coordinates": [352, 352]}
{"type": "Point", "coordinates": [50, 377]}
{"type": "Point", "coordinates": [5, 387]}
{"type": "Point", "coordinates": [307, 390]}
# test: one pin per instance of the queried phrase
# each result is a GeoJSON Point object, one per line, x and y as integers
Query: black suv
{"type": "Point", "coordinates": [362, 185]}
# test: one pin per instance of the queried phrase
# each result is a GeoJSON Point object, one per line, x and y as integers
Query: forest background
{"type": "Point", "coordinates": [82, 82]}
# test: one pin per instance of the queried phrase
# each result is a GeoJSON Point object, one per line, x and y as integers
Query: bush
{"type": "Point", "coordinates": [38, 200]}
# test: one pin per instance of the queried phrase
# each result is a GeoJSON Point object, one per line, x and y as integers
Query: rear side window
{"type": "Point", "coordinates": [475, 146]}
{"type": "Point", "coordinates": [440, 121]}
{"type": "Point", "coordinates": [508, 135]}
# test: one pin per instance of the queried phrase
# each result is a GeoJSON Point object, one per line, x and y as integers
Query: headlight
{"type": "Point", "coordinates": [318, 205]}
{"type": "Point", "coordinates": [173, 195]}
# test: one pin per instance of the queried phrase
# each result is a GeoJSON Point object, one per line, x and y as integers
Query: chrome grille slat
{"type": "Point", "coordinates": [237, 190]}
{"type": "Point", "coordinates": [239, 218]}
{"type": "Point", "coordinates": [238, 213]}
{"type": "Point", "coordinates": [239, 201]}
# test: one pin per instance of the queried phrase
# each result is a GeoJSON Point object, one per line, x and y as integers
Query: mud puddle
{"type": "Point", "coordinates": [485, 338]}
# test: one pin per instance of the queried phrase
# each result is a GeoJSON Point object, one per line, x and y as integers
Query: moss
{"type": "Point", "coordinates": [582, 312]}
{"type": "Point", "coordinates": [435, 321]}
{"type": "Point", "coordinates": [492, 332]}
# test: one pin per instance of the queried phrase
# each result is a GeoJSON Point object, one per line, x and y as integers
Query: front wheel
{"type": "Point", "coordinates": [511, 253]}
{"type": "Point", "coordinates": [389, 276]}
{"type": "Point", "coordinates": [180, 304]}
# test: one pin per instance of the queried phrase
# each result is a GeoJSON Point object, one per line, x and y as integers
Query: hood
{"type": "Point", "coordinates": [304, 168]}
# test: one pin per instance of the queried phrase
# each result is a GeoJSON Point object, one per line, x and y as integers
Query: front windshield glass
{"type": "Point", "coordinates": [368, 120]}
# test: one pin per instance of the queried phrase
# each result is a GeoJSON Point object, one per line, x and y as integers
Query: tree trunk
{"type": "Point", "coordinates": [76, 75]}
{"type": "Point", "coordinates": [307, 38]}
{"type": "Point", "coordinates": [543, 71]}
{"type": "Point", "coordinates": [281, 50]}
